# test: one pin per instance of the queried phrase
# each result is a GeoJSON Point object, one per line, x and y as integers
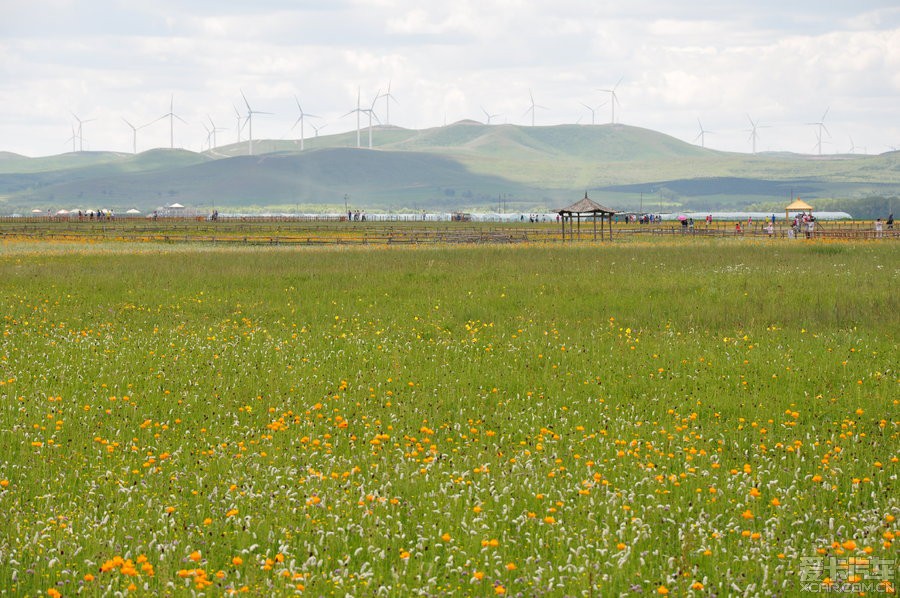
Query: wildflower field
{"type": "Point", "coordinates": [697, 418]}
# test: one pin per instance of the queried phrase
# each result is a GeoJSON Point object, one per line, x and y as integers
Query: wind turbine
{"type": "Point", "coordinates": [73, 139]}
{"type": "Point", "coordinates": [250, 113]}
{"type": "Point", "coordinates": [358, 111]}
{"type": "Point", "coordinates": [754, 136]}
{"type": "Point", "coordinates": [239, 126]}
{"type": "Point", "coordinates": [319, 128]}
{"type": "Point", "coordinates": [80, 131]}
{"type": "Point", "coordinates": [613, 99]}
{"type": "Point", "coordinates": [134, 131]}
{"type": "Point", "coordinates": [702, 135]}
{"type": "Point", "coordinates": [533, 106]}
{"type": "Point", "coordinates": [371, 112]}
{"type": "Point", "coordinates": [171, 116]}
{"type": "Point", "coordinates": [214, 130]}
{"type": "Point", "coordinates": [209, 135]}
{"type": "Point", "coordinates": [821, 127]}
{"type": "Point", "coordinates": [592, 112]}
{"type": "Point", "coordinates": [300, 120]}
{"type": "Point", "coordinates": [387, 104]}
{"type": "Point", "coordinates": [488, 115]}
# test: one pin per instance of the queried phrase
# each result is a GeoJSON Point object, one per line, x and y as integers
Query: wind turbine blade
{"type": "Point", "coordinates": [826, 113]}
{"type": "Point", "coordinates": [249, 109]}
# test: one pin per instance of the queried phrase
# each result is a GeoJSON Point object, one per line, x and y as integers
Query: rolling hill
{"type": "Point", "coordinates": [466, 165]}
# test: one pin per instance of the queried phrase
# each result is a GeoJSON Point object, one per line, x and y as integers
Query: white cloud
{"type": "Point", "coordinates": [678, 62]}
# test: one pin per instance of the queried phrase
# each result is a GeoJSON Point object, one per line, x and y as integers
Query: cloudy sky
{"type": "Point", "coordinates": [723, 62]}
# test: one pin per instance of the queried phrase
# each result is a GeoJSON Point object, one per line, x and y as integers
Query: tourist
{"type": "Point", "coordinates": [878, 228]}
{"type": "Point", "coordinates": [890, 221]}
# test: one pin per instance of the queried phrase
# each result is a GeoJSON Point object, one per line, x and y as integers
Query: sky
{"type": "Point", "coordinates": [724, 67]}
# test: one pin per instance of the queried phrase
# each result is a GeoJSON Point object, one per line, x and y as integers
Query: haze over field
{"type": "Point", "coordinates": [776, 68]}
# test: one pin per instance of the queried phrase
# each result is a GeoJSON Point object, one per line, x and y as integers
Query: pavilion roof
{"type": "Point", "coordinates": [586, 206]}
{"type": "Point", "coordinates": [799, 204]}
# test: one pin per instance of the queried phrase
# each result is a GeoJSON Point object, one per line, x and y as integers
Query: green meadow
{"type": "Point", "coordinates": [691, 418]}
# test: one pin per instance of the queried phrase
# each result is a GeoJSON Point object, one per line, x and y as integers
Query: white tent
{"type": "Point", "coordinates": [176, 206]}
{"type": "Point", "coordinates": [133, 211]}
{"type": "Point", "coordinates": [37, 211]}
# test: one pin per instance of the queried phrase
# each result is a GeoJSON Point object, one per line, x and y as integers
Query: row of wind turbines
{"type": "Point", "coordinates": [820, 129]}
{"type": "Point", "coordinates": [245, 120]}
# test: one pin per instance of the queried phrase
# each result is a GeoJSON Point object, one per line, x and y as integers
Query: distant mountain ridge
{"type": "Point", "coordinates": [466, 165]}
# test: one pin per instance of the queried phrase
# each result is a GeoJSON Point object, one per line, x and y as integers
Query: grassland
{"type": "Point", "coordinates": [701, 418]}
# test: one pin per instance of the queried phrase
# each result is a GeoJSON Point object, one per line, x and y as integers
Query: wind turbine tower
{"type": "Point", "coordinates": [172, 116]}
{"type": "Point", "coordinates": [593, 112]}
{"type": "Point", "coordinates": [371, 112]}
{"type": "Point", "coordinates": [250, 113]}
{"type": "Point", "coordinates": [358, 111]}
{"type": "Point", "coordinates": [533, 106]}
{"type": "Point", "coordinates": [613, 99]}
{"type": "Point", "coordinates": [300, 120]}
{"type": "Point", "coordinates": [80, 132]}
{"type": "Point", "coordinates": [214, 130]}
{"type": "Point", "coordinates": [387, 104]}
{"type": "Point", "coordinates": [702, 135]}
{"type": "Point", "coordinates": [134, 131]}
{"type": "Point", "coordinates": [821, 127]}
{"type": "Point", "coordinates": [239, 126]}
{"type": "Point", "coordinates": [754, 136]}
{"type": "Point", "coordinates": [488, 115]}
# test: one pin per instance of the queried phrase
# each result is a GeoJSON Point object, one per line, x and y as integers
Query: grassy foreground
{"type": "Point", "coordinates": [696, 419]}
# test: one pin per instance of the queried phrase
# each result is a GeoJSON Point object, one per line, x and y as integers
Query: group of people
{"type": "Point", "coordinates": [879, 226]}
{"type": "Point", "coordinates": [803, 223]}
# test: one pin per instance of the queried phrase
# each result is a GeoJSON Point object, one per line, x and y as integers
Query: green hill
{"type": "Point", "coordinates": [465, 165]}
{"type": "Point", "coordinates": [372, 178]}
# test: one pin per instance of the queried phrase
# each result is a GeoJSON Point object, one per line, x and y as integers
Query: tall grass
{"type": "Point", "coordinates": [459, 421]}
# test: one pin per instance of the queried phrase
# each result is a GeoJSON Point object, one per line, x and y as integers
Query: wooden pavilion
{"type": "Point", "coordinates": [797, 205]}
{"type": "Point", "coordinates": [589, 209]}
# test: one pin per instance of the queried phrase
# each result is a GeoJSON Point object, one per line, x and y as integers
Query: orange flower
{"type": "Point", "coordinates": [662, 590]}
{"type": "Point", "coordinates": [511, 566]}
{"type": "Point", "coordinates": [195, 556]}
{"type": "Point", "coordinates": [748, 514]}
{"type": "Point", "coordinates": [237, 561]}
